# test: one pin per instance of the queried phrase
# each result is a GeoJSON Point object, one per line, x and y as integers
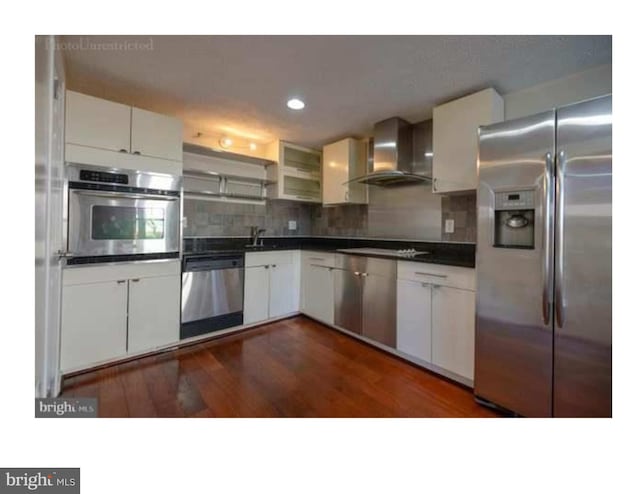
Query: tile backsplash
{"type": "Point", "coordinates": [462, 210]}
{"type": "Point", "coordinates": [211, 218]}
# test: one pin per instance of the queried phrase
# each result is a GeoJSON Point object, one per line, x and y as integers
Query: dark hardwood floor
{"type": "Point", "coordinates": [290, 368]}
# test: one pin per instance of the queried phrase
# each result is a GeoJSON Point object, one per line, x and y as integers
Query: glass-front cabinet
{"type": "Point", "coordinates": [298, 174]}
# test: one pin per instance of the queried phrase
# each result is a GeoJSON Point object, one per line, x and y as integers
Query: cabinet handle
{"type": "Point", "coordinates": [425, 285]}
{"type": "Point", "coordinates": [357, 273]}
{"type": "Point", "coordinates": [136, 152]}
{"type": "Point", "coordinates": [364, 274]}
{"type": "Point", "coordinates": [120, 282]}
{"type": "Point", "coordinates": [135, 280]}
{"type": "Point", "coordinates": [124, 151]}
{"type": "Point", "coordinates": [266, 266]}
{"type": "Point", "coordinates": [273, 265]}
{"type": "Point", "coordinates": [430, 274]}
{"type": "Point", "coordinates": [435, 186]}
{"type": "Point", "coordinates": [316, 259]}
{"type": "Point", "coordinates": [330, 269]}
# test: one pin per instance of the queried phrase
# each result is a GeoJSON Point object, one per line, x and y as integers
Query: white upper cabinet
{"type": "Point", "coordinates": [298, 174]}
{"type": "Point", "coordinates": [104, 133]}
{"type": "Point", "coordinates": [156, 135]}
{"type": "Point", "coordinates": [455, 139]}
{"type": "Point", "coordinates": [343, 161]}
{"type": "Point", "coordinates": [97, 123]}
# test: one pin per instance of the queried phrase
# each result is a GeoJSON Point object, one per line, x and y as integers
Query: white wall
{"type": "Point", "coordinates": [558, 92]}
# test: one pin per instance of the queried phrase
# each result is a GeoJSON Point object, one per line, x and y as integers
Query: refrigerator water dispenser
{"type": "Point", "coordinates": [514, 215]}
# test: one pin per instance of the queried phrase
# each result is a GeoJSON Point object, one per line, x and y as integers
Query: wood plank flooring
{"type": "Point", "coordinates": [291, 368]}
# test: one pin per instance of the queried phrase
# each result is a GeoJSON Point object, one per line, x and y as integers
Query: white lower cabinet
{"type": "Point", "coordinates": [109, 312]}
{"type": "Point", "coordinates": [256, 294]}
{"type": "Point", "coordinates": [453, 328]}
{"type": "Point", "coordinates": [414, 319]}
{"type": "Point", "coordinates": [271, 285]}
{"type": "Point", "coordinates": [282, 296]}
{"type": "Point", "coordinates": [317, 288]}
{"type": "Point", "coordinates": [154, 312]}
{"type": "Point", "coordinates": [94, 323]}
{"type": "Point", "coordinates": [436, 315]}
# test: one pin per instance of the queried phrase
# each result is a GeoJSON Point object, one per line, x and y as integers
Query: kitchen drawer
{"type": "Point", "coordinates": [92, 273]}
{"type": "Point", "coordinates": [271, 257]}
{"type": "Point", "coordinates": [327, 259]}
{"type": "Point", "coordinates": [437, 274]}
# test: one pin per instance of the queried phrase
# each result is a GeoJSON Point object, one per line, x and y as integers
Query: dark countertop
{"type": "Point", "coordinates": [447, 253]}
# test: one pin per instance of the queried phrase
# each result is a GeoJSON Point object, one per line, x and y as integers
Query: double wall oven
{"type": "Point", "coordinates": [121, 215]}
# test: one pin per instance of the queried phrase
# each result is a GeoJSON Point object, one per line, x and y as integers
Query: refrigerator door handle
{"type": "Point", "coordinates": [559, 239]}
{"type": "Point", "coordinates": [547, 256]}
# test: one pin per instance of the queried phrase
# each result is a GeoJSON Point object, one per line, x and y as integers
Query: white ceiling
{"type": "Point", "coordinates": [239, 84]}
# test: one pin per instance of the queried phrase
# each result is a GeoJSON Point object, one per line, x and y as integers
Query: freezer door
{"type": "Point", "coordinates": [514, 327]}
{"type": "Point", "coordinates": [582, 360]}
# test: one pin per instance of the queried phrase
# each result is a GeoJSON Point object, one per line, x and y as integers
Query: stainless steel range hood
{"type": "Point", "coordinates": [402, 154]}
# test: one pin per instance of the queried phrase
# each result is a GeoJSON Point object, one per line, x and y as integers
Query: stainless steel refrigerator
{"type": "Point", "coordinates": [543, 314]}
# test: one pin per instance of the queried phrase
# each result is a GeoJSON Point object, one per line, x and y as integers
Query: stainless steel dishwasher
{"type": "Point", "coordinates": [365, 297]}
{"type": "Point", "coordinates": [212, 293]}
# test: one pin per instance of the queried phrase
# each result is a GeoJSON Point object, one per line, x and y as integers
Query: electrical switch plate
{"type": "Point", "coordinates": [293, 225]}
{"type": "Point", "coordinates": [448, 226]}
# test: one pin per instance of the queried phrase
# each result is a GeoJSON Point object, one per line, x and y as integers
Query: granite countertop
{"type": "Point", "coordinates": [447, 253]}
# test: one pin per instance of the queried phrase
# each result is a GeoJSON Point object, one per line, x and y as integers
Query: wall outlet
{"type": "Point", "coordinates": [449, 226]}
{"type": "Point", "coordinates": [293, 225]}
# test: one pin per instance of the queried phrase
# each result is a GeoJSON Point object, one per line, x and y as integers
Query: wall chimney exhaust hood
{"type": "Point", "coordinates": [402, 154]}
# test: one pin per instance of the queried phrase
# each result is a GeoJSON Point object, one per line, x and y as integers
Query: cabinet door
{"type": "Point", "coordinates": [455, 139]}
{"type": "Point", "coordinates": [154, 312]}
{"type": "Point", "coordinates": [97, 122]}
{"type": "Point", "coordinates": [317, 292]}
{"type": "Point", "coordinates": [414, 319]}
{"type": "Point", "coordinates": [156, 135]}
{"type": "Point", "coordinates": [94, 323]}
{"type": "Point", "coordinates": [282, 290]}
{"type": "Point", "coordinates": [453, 328]}
{"type": "Point", "coordinates": [342, 161]}
{"type": "Point", "coordinates": [347, 298]}
{"type": "Point", "coordinates": [256, 294]}
{"type": "Point", "coordinates": [379, 312]}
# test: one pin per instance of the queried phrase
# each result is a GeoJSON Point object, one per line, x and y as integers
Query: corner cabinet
{"type": "Point", "coordinates": [110, 312]}
{"type": "Point", "coordinates": [297, 175]}
{"type": "Point", "coordinates": [455, 139]}
{"type": "Point", "coordinates": [341, 162]}
{"type": "Point", "coordinates": [436, 315]}
{"type": "Point", "coordinates": [271, 285]}
{"type": "Point", "coordinates": [105, 133]}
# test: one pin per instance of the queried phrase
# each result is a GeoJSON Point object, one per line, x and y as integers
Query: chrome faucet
{"type": "Point", "coordinates": [255, 236]}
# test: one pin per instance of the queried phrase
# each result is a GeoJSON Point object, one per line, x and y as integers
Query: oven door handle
{"type": "Point", "coordinates": [120, 195]}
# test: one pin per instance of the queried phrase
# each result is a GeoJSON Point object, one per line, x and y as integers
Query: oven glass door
{"type": "Point", "coordinates": [115, 223]}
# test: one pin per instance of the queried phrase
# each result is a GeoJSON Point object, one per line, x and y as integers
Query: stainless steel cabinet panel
{"type": "Point", "coordinates": [347, 289]}
{"type": "Point", "coordinates": [379, 308]}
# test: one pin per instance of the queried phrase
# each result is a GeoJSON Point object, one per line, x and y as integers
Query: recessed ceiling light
{"type": "Point", "coordinates": [252, 146]}
{"type": "Point", "coordinates": [295, 104]}
{"type": "Point", "coordinates": [226, 142]}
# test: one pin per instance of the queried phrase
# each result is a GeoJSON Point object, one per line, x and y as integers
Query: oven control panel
{"type": "Point", "coordinates": [104, 177]}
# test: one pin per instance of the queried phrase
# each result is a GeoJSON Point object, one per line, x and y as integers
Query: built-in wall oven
{"type": "Point", "coordinates": [116, 214]}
